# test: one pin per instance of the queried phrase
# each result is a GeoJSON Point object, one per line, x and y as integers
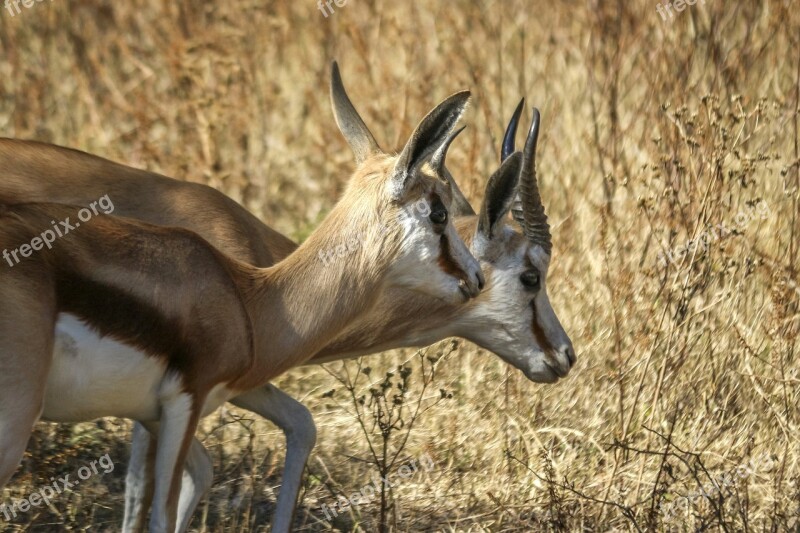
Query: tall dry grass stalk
{"type": "Point", "coordinates": [655, 133]}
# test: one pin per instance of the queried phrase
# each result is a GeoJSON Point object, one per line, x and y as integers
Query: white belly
{"type": "Point", "coordinates": [93, 377]}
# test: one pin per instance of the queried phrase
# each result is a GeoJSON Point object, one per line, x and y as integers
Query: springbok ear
{"type": "Point", "coordinates": [349, 121]}
{"type": "Point", "coordinates": [426, 139]}
{"type": "Point", "coordinates": [500, 193]}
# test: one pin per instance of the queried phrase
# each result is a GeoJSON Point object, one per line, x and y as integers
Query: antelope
{"type": "Point", "coordinates": [501, 319]}
{"type": "Point", "coordinates": [209, 328]}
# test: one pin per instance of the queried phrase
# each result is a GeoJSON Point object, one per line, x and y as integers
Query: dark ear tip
{"type": "Point", "coordinates": [514, 159]}
{"type": "Point", "coordinates": [335, 69]}
{"type": "Point", "coordinates": [500, 191]}
{"type": "Point", "coordinates": [461, 96]}
{"type": "Point", "coordinates": [513, 163]}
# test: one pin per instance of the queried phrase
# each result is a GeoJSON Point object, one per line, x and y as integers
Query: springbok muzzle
{"type": "Point", "coordinates": [456, 260]}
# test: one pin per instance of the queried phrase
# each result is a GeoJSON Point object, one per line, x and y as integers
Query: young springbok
{"type": "Point", "coordinates": [500, 319]}
{"type": "Point", "coordinates": [209, 328]}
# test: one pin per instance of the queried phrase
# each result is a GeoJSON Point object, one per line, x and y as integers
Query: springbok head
{"type": "Point", "coordinates": [513, 316]}
{"type": "Point", "coordinates": [404, 201]}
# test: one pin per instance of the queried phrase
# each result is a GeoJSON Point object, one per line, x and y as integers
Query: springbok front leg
{"type": "Point", "coordinates": [180, 413]}
{"type": "Point", "coordinates": [271, 403]}
{"type": "Point", "coordinates": [198, 475]}
{"type": "Point", "coordinates": [301, 435]}
{"type": "Point", "coordinates": [26, 348]}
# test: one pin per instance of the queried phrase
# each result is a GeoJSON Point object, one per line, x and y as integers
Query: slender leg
{"type": "Point", "coordinates": [26, 354]}
{"type": "Point", "coordinates": [139, 481]}
{"type": "Point", "coordinates": [274, 405]}
{"type": "Point", "coordinates": [15, 430]}
{"type": "Point", "coordinates": [301, 435]}
{"type": "Point", "coordinates": [178, 422]}
{"type": "Point", "coordinates": [198, 474]}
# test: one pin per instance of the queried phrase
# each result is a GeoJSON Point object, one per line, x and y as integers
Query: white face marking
{"type": "Point", "coordinates": [417, 266]}
{"type": "Point", "coordinates": [501, 318]}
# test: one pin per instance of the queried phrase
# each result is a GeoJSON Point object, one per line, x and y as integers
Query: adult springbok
{"type": "Point", "coordinates": [501, 319]}
{"type": "Point", "coordinates": [209, 328]}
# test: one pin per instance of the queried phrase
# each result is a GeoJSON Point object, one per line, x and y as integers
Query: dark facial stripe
{"type": "Point", "coordinates": [538, 332]}
{"type": "Point", "coordinates": [446, 261]}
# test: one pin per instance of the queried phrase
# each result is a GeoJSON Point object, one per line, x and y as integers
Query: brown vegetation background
{"type": "Point", "coordinates": [653, 131]}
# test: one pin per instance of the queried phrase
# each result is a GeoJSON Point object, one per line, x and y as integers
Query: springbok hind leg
{"type": "Point", "coordinates": [268, 401]}
{"type": "Point", "coordinates": [26, 351]}
{"type": "Point", "coordinates": [139, 479]}
{"type": "Point", "coordinates": [177, 425]}
{"type": "Point", "coordinates": [301, 434]}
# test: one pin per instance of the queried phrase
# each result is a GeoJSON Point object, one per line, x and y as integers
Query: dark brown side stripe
{"type": "Point", "coordinates": [117, 314]}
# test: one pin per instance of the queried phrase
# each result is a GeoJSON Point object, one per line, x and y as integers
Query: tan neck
{"type": "Point", "coordinates": [301, 304]}
{"type": "Point", "coordinates": [400, 319]}
{"type": "Point", "coordinates": [412, 321]}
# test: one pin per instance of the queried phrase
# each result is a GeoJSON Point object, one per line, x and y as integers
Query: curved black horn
{"type": "Point", "coordinates": [437, 160]}
{"type": "Point", "coordinates": [528, 210]}
{"type": "Point", "coordinates": [511, 132]}
{"type": "Point", "coordinates": [459, 206]}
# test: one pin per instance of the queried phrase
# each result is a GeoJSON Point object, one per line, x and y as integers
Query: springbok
{"type": "Point", "coordinates": [209, 328]}
{"type": "Point", "coordinates": [501, 319]}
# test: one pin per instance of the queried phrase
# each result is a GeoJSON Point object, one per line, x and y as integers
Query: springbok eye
{"type": "Point", "coordinates": [530, 279]}
{"type": "Point", "coordinates": [439, 216]}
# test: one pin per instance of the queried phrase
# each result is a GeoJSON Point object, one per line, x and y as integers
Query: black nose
{"type": "Point", "coordinates": [571, 355]}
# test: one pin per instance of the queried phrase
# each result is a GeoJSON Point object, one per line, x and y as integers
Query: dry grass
{"type": "Point", "coordinates": [653, 132]}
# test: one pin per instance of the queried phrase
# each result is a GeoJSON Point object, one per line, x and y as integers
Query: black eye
{"type": "Point", "coordinates": [439, 216]}
{"type": "Point", "coordinates": [530, 279]}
